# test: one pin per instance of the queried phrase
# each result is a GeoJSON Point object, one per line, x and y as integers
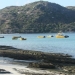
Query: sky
{"type": "Point", "coordinates": [6, 3]}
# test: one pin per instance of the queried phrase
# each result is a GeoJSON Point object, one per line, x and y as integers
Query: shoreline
{"type": "Point", "coordinates": [9, 69]}
{"type": "Point", "coordinates": [21, 70]}
{"type": "Point", "coordinates": [47, 63]}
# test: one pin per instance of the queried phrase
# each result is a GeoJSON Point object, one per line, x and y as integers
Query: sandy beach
{"type": "Point", "coordinates": [11, 69]}
{"type": "Point", "coordinates": [9, 66]}
{"type": "Point", "coordinates": [19, 70]}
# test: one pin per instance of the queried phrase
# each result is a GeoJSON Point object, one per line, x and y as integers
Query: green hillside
{"type": "Point", "coordinates": [37, 17]}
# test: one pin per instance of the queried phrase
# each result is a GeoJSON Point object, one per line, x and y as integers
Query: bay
{"type": "Point", "coordinates": [54, 45]}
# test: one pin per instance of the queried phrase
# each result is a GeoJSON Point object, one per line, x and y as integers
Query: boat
{"type": "Point", "coordinates": [60, 35]}
{"type": "Point", "coordinates": [1, 36]}
{"type": "Point", "coordinates": [41, 36]}
{"type": "Point", "coordinates": [49, 36]}
{"type": "Point", "coordinates": [23, 38]}
{"type": "Point", "coordinates": [16, 37]}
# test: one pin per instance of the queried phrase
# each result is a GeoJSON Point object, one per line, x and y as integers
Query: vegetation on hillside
{"type": "Point", "coordinates": [37, 17]}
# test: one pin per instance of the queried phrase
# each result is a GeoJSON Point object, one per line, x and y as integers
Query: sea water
{"type": "Point", "coordinates": [53, 44]}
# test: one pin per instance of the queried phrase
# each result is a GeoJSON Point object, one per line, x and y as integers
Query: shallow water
{"type": "Point", "coordinates": [55, 45]}
{"type": "Point", "coordinates": [10, 61]}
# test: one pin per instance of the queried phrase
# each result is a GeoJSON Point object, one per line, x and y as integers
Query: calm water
{"type": "Point", "coordinates": [63, 45]}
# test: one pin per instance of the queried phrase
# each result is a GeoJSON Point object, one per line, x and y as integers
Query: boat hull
{"type": "Point", "coordinates": [57, 36]}
{"type": "Point", "coordinates": [23, 39]}
{"type": "Point", "coordinates": [41, 36]}
{"type": "Point", "coordinates": [16, 37]}
{"type": "Point", "coordinates": [50, 36]}
{"type": "Point", "coordinates": [60, 36]}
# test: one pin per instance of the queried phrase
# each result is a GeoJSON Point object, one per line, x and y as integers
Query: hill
{"type": "Point", "coordinates": [71, 7]}
{"type": "Point", "coordinates": [37, 17]}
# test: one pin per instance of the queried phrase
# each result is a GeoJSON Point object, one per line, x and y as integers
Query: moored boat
{"type": "Point", "coordinates": [1, 36]}
{"type": "Point", "coordinates": [60, 35]}
{"type": "Point", "coordinates": [23, 39]}
{"type": "Point", "coordinates": [49, 36]}
{"type": "Point", "coordinates": [41, 36]}
{"type": "Point", "coordinates": [16, 37]}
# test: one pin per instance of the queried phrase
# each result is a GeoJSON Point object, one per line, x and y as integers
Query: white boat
{"type": "Point", "coordinates": [49, 36]}
{"type": "Point", "coordinates": [1, 36]}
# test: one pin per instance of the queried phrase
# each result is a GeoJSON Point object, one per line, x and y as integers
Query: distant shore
{"type": "Point", "coordinates": [51, 62]}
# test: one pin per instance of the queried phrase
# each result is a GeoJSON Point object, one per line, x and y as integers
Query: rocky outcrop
{"type": "Point", "coordinates": [57, 61]}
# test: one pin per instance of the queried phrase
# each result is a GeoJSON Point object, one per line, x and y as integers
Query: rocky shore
{"type": "Point", "coordinates": [62, 64]}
